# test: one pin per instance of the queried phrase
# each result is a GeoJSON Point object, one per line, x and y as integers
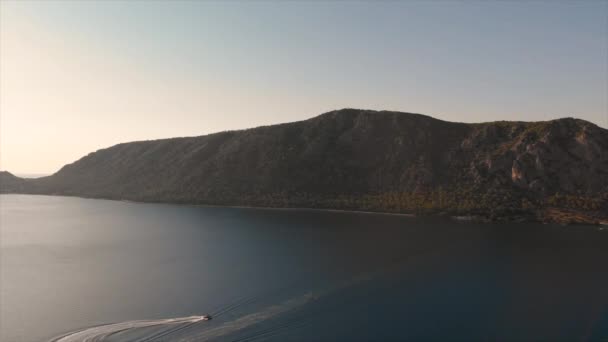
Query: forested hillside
{"type": "Point", "coordinates": [361, 160]}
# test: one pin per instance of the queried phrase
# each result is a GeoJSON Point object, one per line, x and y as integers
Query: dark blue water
{"type": "Point", "coordinates": [147, 272]}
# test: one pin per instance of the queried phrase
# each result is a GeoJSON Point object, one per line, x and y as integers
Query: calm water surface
{"type": "Point", "coordinates": [146, 272]}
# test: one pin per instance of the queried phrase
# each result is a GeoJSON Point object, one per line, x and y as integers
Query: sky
{"type": "Point", "coordinates": [78, 76]}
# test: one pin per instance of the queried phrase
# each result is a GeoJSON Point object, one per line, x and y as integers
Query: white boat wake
{"type": "Point", "coordinates": [102, 332]}
{"type": "Point", "coordinates": [170, 326]}
{"type": "Point", "coordinates": [250, 319]}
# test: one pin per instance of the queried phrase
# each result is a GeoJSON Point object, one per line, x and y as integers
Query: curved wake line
{"type": "Point", "coordinates": [251, 319]}
{"type": "Point", "coordinates": [293, 304]}
{"type": "Point", "coordinates": [270, 312]}
{"type": "Point", "coordinates": [101, 332]}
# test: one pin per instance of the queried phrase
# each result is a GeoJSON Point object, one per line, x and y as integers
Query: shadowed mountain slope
{"type": "Point", "coordinates": [363, 160]}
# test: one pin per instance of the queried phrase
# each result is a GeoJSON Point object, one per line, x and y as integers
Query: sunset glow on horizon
{"type": "Point", "coordinates": [79, 76]}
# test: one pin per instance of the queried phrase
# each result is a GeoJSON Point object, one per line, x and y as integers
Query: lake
{"type": "Point", "coordinates": [74, 269]}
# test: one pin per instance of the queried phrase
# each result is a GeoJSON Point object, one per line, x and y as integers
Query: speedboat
{"type": "Point", "coordinates": [207, 317]}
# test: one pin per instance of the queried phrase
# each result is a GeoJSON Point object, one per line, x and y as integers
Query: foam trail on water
{"type": "Point", "coordinates": [293, 304]}
{"type": "Point", "coordinates": [270, 312]}
{"type": "Point", "coordinates": [100, 333]}
{"type": "Point", "coordinates": [250, 319]}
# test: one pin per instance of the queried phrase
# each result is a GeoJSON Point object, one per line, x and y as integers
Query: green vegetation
{"type": "Point", "coordinates": [360, 160]}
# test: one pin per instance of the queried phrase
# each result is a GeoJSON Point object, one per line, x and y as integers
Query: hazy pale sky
{"type": "Point", "coordinates": [82, 75]}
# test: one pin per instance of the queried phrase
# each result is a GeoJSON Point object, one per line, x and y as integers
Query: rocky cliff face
{"type": "Point", "coordinates": [356, 159]}
{"type": "Point", "coordinates": [565, 155]}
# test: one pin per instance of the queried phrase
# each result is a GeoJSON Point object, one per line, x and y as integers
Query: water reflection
{"type": "Point", "coordinates": [70, 264]}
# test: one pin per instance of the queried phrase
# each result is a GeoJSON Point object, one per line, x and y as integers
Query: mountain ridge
{"type": "Point", "coordinates": [360, 160]}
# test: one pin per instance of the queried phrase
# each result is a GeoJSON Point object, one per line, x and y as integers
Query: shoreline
{"type": "Point", "coordinates": [457, 218]}
{"type": "Point", "coordinates": [298, 209]}
{"type": "Point", "coordinates": [230, 206]}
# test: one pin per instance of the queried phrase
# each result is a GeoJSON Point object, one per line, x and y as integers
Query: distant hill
{"type": "Point", "coordinates": [10, 183]}
{"type": "Point", "coordinates": [361, 160]}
